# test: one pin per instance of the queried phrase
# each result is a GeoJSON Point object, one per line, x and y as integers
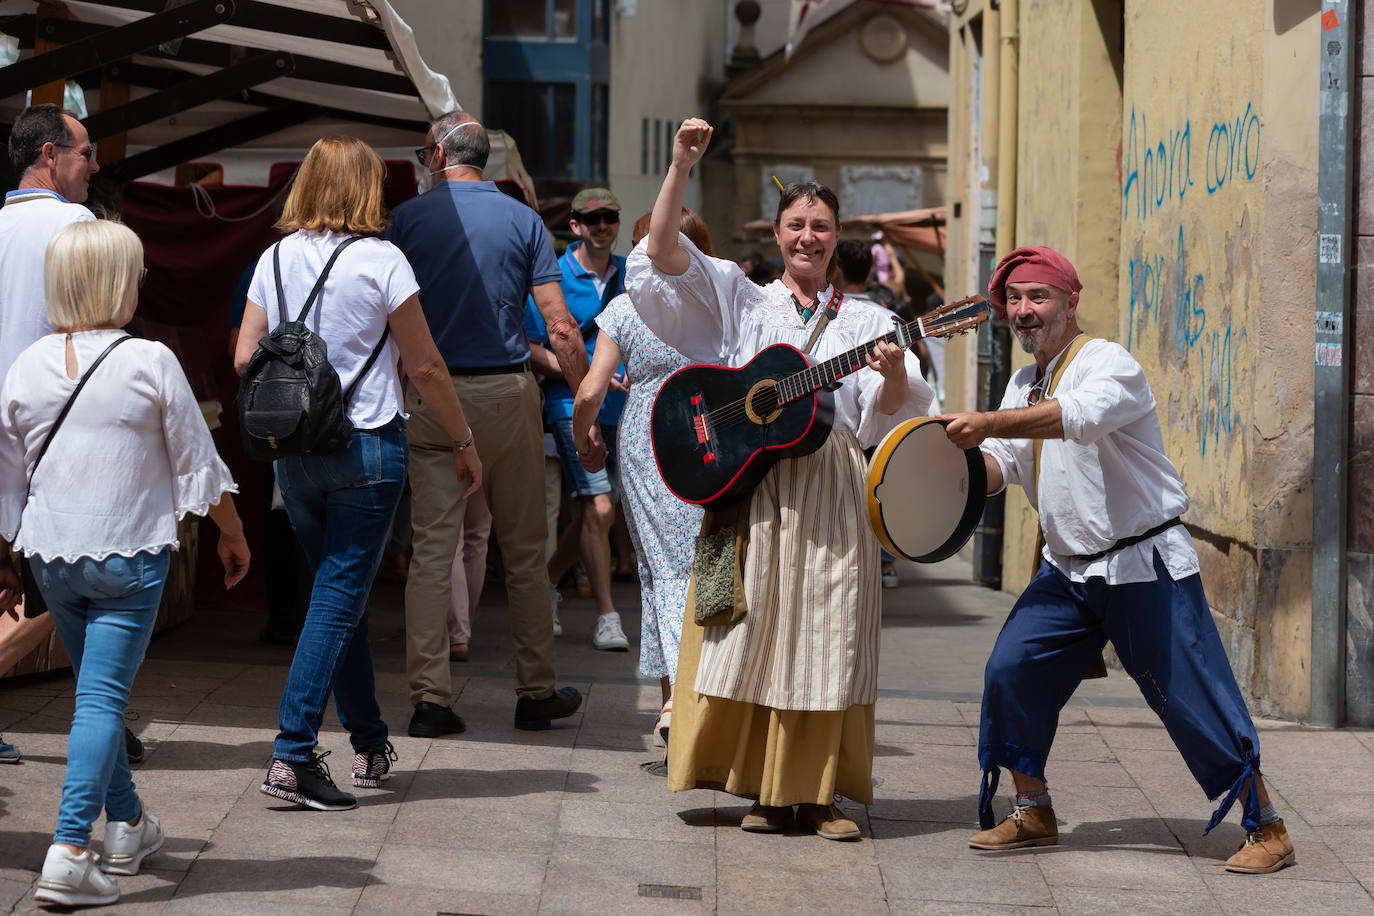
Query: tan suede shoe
{"type": "Point", "coordinates": [828, 821]}
{"type": "Point", "coordinates": [1023, 827]}
{"type": "Point", "coordinates": [1267, 849]}
{"type": "Point", "coordinates": [766, 819]}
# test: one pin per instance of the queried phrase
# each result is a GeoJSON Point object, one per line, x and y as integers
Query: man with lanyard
{"type": "Point", "coordinates": [1078, 431]}
{"type": "Point", "coordinates": [52, 157]}
{"type": "Point", "coordinates": [477, 254]}
{"type": "Point", "coordinates": [592, 277]}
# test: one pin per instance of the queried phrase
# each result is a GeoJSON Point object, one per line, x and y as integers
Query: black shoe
{"type": "Point", "coordinates": [537, 715]}
{"type": "Point", "coordinates": [432, 720]}
{"type": "Point", "coordinates": [132, 746]}
{"type": "Point", "coordinates": [307, 784]}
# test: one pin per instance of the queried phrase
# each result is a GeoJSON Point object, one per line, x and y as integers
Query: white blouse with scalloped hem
{"type": "Point", "coordinates": [133, 456]}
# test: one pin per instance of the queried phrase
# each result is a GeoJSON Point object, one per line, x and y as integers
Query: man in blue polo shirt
{"type": "Point", "coordinates": [477, 254]}
{"type": "Point", "coordinates": [591, 278]}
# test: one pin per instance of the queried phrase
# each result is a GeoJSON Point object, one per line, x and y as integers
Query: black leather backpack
{"type": "Point", "coordinates": [290, 402]}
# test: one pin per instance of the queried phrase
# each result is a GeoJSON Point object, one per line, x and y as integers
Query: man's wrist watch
{"type": "Point", "coordinates": [460, 444]}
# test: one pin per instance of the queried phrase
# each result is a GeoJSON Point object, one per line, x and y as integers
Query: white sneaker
{"type": "Point", "coordinates": [71, 880]}
{"type": "Point", "coordinates": [890, 579]}
{"type": "Point", "coordinates": [609, 635]}
{"type": "Point", "coordinates": [127, 844]}
{"type": "Point", "coordinates": [556, 599]}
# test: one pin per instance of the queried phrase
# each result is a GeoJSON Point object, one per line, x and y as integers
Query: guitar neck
{"type": "Point", "coordinates": [823, 375]}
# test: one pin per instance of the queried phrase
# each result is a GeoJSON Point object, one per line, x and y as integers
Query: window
{"type": "Point", "coordinates": [532, 113]}
{"type": "Point", "coordinates": [539, 20]}
{"type": "Point", "coordinates": [547, 72]}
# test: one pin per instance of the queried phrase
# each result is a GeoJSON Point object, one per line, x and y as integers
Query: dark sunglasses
{"type": "Point", "coordinates": [422, 153]}
{"type": "Point", "coordinates": [85, 152]}
{"type": "Point", "coordinates": [610, 217]}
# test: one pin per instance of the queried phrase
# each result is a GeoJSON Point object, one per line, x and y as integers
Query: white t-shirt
{"type": "Point", "coordinates": [132, 457]}
{"type": "Point", "coordinates": [28, 221]}
{"type": "Point", "coordinates": [369, 281]}
{"type": "Point", "coordinates": [1108, 478]}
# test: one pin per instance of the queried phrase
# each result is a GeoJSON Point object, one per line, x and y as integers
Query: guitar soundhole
{"type": "Point", "coordinates": [764, 402]}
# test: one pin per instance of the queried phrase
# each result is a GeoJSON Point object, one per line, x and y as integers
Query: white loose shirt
{"type": "Point", "coordinates": [369, 281]}
{"type": "Point", "coordinates": [133, 456]}
{"type": "Point", "coordinates": [28, 221]}
{"type": "Point", "coordinates": [1108, 478]}
{"type": "Point", "coordinates": [714, 313]}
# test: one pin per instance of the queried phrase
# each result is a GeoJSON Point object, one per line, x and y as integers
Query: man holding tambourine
{"type": "Point", "coordinates": [1118, 565]}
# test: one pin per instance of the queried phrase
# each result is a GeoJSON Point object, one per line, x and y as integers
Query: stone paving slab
{"type": "Point", "coordinates": [496, 821]}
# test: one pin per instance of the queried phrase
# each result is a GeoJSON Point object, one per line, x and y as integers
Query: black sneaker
{"type": "Point", "coordinates": [432, 720]}
{"type": "Point", "coordinates": [133, 748]}
{"type": "Point", "coordinates": [373, 765]}
{"type": "Point", "coordinates": [537, 715]}
{"type": "Point", "coordinates": [308, 784]}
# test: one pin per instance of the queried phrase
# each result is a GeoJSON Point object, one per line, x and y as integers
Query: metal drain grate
{"type": "Point", "coordinates": [670, 891]}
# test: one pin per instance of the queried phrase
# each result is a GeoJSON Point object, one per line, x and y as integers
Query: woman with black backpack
{"type": "Point", "coordinates": [356, 298]}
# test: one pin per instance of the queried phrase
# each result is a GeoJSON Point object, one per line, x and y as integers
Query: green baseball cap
{"type": "Point", "coordinates": [591, 199]}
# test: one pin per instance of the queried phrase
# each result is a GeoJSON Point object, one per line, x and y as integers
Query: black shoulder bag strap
{"type": "Point", "coordinates": [315, 294]}
{"type": "Point", "coordinates": [34, 605]}
{"type": "Point", "coordinates": [66, 408]}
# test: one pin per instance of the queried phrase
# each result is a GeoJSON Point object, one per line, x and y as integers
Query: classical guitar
{"type": "Point", "coordinates": [717, 431]}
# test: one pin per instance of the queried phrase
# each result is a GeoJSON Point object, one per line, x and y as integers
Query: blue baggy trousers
{"type": "Point", "coordinates": [1166, 640]}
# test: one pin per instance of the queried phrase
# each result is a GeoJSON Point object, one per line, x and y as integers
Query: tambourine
{"type": "Point", "coordinates": [925, 494]}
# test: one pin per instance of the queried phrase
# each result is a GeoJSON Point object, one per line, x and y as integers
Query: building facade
{"type": "Point", "coordinates": [1169, 148]}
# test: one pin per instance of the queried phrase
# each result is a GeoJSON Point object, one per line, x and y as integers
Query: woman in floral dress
{"type": "Point", "coordinates": [662, 527]}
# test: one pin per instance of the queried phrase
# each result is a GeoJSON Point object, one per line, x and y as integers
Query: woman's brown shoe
{"type": "Point", "coordinates": [1023, 827]}
{"type": "Point", "coordinates": [828, 821]}
{"type": "Point", "coordinates": [458, 652]}
{"type": "Point", "coordinates": [1267, 849]}
{"type": "Point", "coordinates": [766, 819]}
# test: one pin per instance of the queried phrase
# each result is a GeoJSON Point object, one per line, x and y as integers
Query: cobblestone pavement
{"type": "Point", "coordinates": [500, 821]}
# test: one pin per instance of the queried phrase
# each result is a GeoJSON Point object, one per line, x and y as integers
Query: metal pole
{"type": "Point", "coordinates": [1331, 373]}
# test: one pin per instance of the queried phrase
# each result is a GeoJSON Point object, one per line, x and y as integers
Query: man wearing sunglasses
{"type": "Point", "coordinates": [592, 277]}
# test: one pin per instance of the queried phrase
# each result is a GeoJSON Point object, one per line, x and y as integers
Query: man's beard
{"type": "Point", "coordinates": [1030, 343]}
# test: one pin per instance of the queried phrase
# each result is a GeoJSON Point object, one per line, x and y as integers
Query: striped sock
{"type": "Point", "coordinates": [1037, 799]}
{"type": "Point", "coordinates": [1268, 816]}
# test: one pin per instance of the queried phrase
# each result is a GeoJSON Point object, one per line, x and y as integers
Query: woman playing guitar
{"type": "Point", "coordinates": [779, 706]}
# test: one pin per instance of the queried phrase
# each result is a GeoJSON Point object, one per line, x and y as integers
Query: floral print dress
{"type": "Point", "coordinates": [662, 527]}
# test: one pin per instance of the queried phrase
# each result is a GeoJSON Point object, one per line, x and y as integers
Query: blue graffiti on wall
{"type": "Point", "coordinates": [1153, 278]}
{"type": "Point", "coordinates": [1157, 173]}
{"type": "Point", "coordinates": [1158, 170]}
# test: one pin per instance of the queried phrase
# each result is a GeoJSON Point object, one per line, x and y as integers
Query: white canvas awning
{"type": "Point", "coordinates": [206, 75]}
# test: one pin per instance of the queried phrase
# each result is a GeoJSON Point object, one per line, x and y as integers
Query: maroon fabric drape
{"type": "Point", "coordinates": [194, 263]}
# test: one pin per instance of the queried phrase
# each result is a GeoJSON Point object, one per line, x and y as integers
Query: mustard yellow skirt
{"type": "Point", "coordinates": [774, 756]}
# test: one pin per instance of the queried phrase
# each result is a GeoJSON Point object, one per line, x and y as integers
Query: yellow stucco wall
{"type": "Point", "coordinates": [1169, 148]}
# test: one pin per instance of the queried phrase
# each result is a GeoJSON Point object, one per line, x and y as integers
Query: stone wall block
{"type": "Point", "coordinates": [1360, 495]}
{"type": "Point", "coordinates": [1362, 334]}
{"type": "Point", "coordinates": [1282, 681]}
{"type": "Point", "coordinates": [1359, 632]}
{"type": "Point", "coordinates": [1364, 158]}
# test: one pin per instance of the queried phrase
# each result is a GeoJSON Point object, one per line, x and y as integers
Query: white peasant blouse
{"type": "Point", "coordinates": [713, 313]}
{"type": "Point", "coordinates": [133, 456]}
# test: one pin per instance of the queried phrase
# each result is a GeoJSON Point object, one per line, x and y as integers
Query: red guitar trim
{"type": "Point", "coordinates": [744, 465]}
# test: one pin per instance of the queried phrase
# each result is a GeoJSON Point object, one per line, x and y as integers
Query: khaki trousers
{"type": "Point", "coordinates": [504, 413]}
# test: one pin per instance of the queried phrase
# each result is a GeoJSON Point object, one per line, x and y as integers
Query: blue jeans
{"type": "Point", "coordinates": [340, 506]}
{"type": "Point", "coordinates": [582, 482]}
{"type": "Point", "coordinates": [104, 611]}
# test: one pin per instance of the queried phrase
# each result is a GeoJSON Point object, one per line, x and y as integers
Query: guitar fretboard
{"type": "Point", "coordinates": [822, 375]}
